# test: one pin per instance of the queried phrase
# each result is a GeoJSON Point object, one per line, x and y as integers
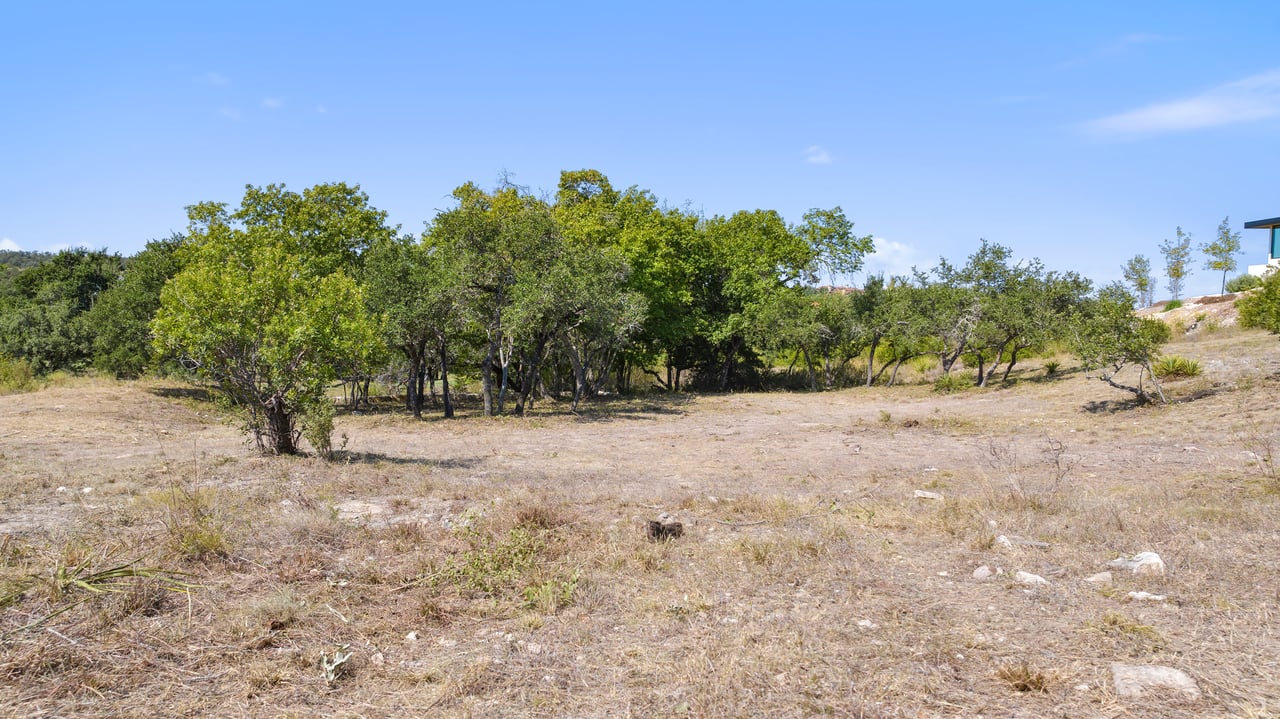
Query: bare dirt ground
{"type": "Point", "coordinates": [501, 568]}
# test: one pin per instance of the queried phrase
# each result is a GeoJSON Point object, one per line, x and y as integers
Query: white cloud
{"type": "Point", "coordinates": [1256, 97]}
{"type": "Point", "coordinates": [230, 113]}
{"type": "Point", "coordinates": [8, 245]}
{"type": "Point", "coordinates": [321, 109]}
{"type": "Point", "coordinates": [215, 78]}
{"type": "Point", "coordinates": [817, 155]}
{"type": "Point", "coordinates": [272, 103]}
{"type": "Point", "coordinates": [891, 258]}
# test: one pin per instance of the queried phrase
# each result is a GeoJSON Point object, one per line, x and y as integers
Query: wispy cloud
{"type": "Point", "coordinates": [817, 155]}
{"type": "Point", "coordinates": [1114, 48]}
{"type": "Point", "coordinates": [891, 258]}
{"type": "Point", "coordinates": [8, 245]}
{"type": "Point", "coordinates": [217, 78]}
{"type": "Point", "coordinates": [230, 113]}
{"type": "Point", "coordinates": [272, 103]}
{"type": "Point", "coordinates": [1256, 97]}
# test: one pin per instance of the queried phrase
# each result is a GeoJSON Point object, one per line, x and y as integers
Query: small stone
{"type": "Point", "coordinates": [533, 648]}
{"type": "Point", "coordinates": [411, 637]}
{"type": "Point", "coordinates": [1082, 687]}
{"type": "Point", "coordinates": [87, 490]}
{"type": "Point", "coordinates": [1028, 578]}
{"type": "Point", "coordinates": [60, 489]}
{"type": "Point", "coordinates": [922, 494]}
{"type": "Point", "coordinates": [1099, 578]}
{"type": "Point", "coordinates": [1133, 681]}
{"type": "Point", "coordinates": [1004, 541]}
{"type": "Point", "coordinates": [866, 624]}
{"type": "Point", "coordinates": [1142, 563]}
{"type": "Point", "coordinates": [983, 572]}
{"type": "Point", "coordinates": [1143, 597]}
{"type": "Point", "coordinates": [377, 659]}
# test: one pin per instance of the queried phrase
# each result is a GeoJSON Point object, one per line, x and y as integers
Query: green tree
{"type": "Point", "coordinates": [270, 312]}
{"type": "Point", "coordinates": [417, 289]}
{"type": "Point", "coordinates": [1177, 259]}
{"type": "Point", "coordinates": [122, 315]}
{"type": "Point", "coordinates": [1261, 308]}
{"type": "Point", "coordinates": [1107, 336]}
{"type": "Point", "coordinates": [1137, 272]}
{"type": "Point", "coordinates": [1222, 251]}
{"type": "Point", "coordinates": [43, 316]}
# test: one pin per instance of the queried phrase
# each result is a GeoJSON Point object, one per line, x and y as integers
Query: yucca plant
{"type": "Point", "coordinates": [1175, 367]}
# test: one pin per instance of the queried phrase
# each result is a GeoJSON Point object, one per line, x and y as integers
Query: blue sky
{"type": "Point", "coordinates": [1080, 133]}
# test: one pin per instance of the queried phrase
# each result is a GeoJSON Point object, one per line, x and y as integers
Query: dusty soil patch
{"type": "Point", "coordinates": [502, 568]}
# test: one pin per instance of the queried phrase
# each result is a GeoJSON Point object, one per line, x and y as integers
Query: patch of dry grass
{"type": "Point", "coordinates": [481, 568]}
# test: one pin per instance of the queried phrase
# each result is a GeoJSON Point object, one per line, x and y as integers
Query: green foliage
{"type": "Point", "coordinates": [265, 305]}
{"type": "Point", "coordinates": [1175, 367]}
{"type": "Point", "coordinates": [1221, 253]}
{"type": "Point", "coordinates": [1171, 305]}
{"type": "Point", "coordinates": [494, 563]}
{"type": "Point", "coordinates": [552, 595]}
{"type": "Point", "coordinates": [1177, 258]}
{"type": "Point", "coordinates": [1261, 309]}
{"type": "Point", "coordinates": [43, 316]}
{"type": "Point", "coordinates": [1243, 283]}
{"type": "Point", "coordinates": [949, 383]}
{"type": "Point", "coordinates": [16, 375]}
{"type": "Point", "coordinates": [1137, 272]}
{"type": "Point", "coordinates": [122, 315]}
{"type": "Point", "coordinates": [1106, 336]}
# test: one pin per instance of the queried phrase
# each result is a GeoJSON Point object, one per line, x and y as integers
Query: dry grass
{"type": "Point", "coordinates": [501, 568]}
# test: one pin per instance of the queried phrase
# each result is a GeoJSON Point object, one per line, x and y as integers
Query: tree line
{"type": "Point", "coordinates": [567, 296]}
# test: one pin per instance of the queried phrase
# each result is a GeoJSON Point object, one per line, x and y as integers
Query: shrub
{"type": "Point", "coordinates": [1175, 367]}
{"type": "Point", "coordinates": [16, 375]}
{"type": "Point", "coordinates": [1172, 305]}
{"type": "Point", "coordinates": [948, 383]}
{"type": "Point", "coordinates": [1051, 367]}
{"type": "Point", "coordinates": [1243, 283]}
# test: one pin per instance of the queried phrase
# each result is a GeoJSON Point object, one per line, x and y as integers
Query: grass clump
{"type": "Point", "coordinates": [1172, 305]}
{"type": "Point", "coordinates": [1176, 367]}
{"type": "Point", "coordinates": [194, 520]}
{"type": "Point", "coordinates": [1022, 677]}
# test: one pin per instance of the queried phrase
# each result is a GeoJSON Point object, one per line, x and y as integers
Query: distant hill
{"type": "Point", "coordinates": [22, 259]}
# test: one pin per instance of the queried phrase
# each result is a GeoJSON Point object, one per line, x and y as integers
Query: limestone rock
{"type": "Point", "coordinates": [1134, 681]}
{"type": "Point", "coordinates": [1143, 597]}
{"type": "Point", "coordinates": [983, 572]}
{"type": "Point", "coordinates": [922, 494]}
{"type": "Point", "coordinates": [1142, 563]}
{"type": "Point", "coordinates": [1028, 578]}
{"type": "Point", "coordinates": [1099, 578]}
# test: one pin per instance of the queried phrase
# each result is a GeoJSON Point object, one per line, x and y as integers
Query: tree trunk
{"type": "Point", "coordinates": [871, 360]}
{"type": "Point", "coordinates": [1013, 360]}
{"type": "Point", "coordinates": [279, 433]}
{"type": "Point", "coordinates": [444, 380]}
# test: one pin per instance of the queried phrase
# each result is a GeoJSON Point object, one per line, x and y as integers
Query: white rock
{"type": "Point", "coordinates": [1004, 541]}
{"type": "Point", "coordinates": [1142, 563]}
{"type": "Point", "coordinates": [1028, 578]}
{"type": "Point", "coordinates": [60, 489]}
{"type": "Point", "coordinates": [1144, 597]}
{"type": "Point", "coordinates": [1133, 681]}
{"type": "Point", "coordinates": [983, 572]}
{"type": "Point", "coordinates": [1099, 578]}
{"type": "Point", "coordinates": [411, 637]}
{"type": "Point", "coordinates": [377, 659]}
{"type": "Point", "coordinates": [87, 490]}
{"type": "Point", "coordinates": [533, 648]}
{"type": "Point", "coordinates": [922, 494]}
{"type": "Point", "coordinates": [866, 624]}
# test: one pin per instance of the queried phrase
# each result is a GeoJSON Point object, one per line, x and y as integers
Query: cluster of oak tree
{"type": "Point", "coordinates": [277, 300]}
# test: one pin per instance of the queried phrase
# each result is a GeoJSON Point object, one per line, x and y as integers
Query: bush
{"type": "Point", "coordinates": [16, 375]}
{"type": "Point", "coordinates": [1243, 283]}
{"type": "Point", "coordinates": [948, 383]}
{"type": "Point", "coordinates": [1175, 367]}
{"type": "Point", "coordinates": [1172, 305]}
